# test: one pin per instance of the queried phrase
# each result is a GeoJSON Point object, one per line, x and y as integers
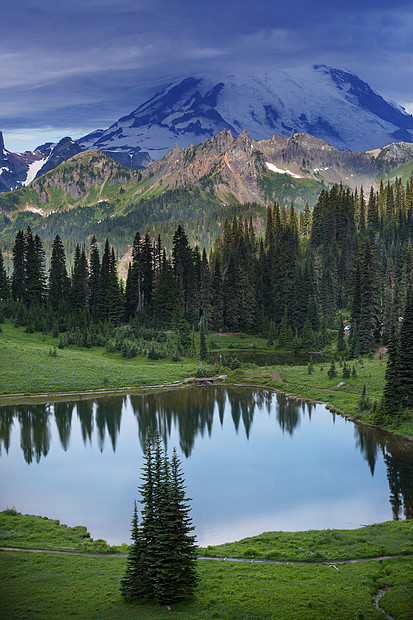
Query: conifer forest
{"type": "Point", "coordinates": [294, 281]}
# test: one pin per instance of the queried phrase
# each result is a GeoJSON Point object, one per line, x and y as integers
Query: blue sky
{"type": "Point", "coordinates": [67, 68]}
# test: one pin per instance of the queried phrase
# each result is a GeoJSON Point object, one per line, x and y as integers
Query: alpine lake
{"type": "Point", "coordinates": [253, 461]}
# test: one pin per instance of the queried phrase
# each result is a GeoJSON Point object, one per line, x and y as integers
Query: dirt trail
{"type": "Point", "coordinates": [332, 563]}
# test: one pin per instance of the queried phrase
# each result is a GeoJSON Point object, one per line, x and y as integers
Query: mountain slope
{"type": "Point", "coordinates": [19, 169]}
{"type": "Point", "coordinates": [199, 186]}
{"type": "Point", "coordinates": [328, 103]}
{"type": "Point", "coordinates": [229, 170]}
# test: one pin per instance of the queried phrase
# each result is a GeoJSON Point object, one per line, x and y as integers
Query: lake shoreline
{"type": "Point", "coordinates": [16, 399]}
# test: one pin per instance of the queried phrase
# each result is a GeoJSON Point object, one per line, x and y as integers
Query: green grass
{"type": "Point", "coordinates": [391, 538]}
{"type": "Point", "coordinates": [319, 387]}
{"type": "Point", "coordinates": [60, 586]}
{"type": "Point", "coordinates": [54, 587]}
{"type": "Point", "coordinates": [75, 369]}
{"type": "Point", "coordinates": [35, 532]}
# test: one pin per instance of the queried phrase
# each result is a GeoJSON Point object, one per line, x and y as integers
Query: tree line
{"type": "Point", "coordinates": [289, 279]}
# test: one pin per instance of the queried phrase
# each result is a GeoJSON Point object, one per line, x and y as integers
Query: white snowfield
{"type": "Point", "coordinates": [33, 170]}
{"type": "Point", "coordinates": [327, 103]}
{"type": "Point", "coordinates": [273, 168]}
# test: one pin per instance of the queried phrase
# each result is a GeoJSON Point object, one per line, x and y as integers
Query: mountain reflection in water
{"type": "Point", "coordinates": [192, 413]}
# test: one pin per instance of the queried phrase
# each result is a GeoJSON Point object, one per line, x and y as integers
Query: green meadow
{"type": "Point", "coordinates": [51, 586]}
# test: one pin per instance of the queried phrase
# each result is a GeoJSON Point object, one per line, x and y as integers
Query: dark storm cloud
{"type": "Point", "coordinates": [82, 64]}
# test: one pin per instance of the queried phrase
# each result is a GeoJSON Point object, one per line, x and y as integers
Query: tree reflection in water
{"type": "Point", "coordinates": [191, 412]}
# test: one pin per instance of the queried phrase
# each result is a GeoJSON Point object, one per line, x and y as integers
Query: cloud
{"type": "Point", "coordinates": [87, 63]}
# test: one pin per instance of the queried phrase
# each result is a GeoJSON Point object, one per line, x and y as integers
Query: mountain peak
{"type": "Point", "coordinates": [330, 104]}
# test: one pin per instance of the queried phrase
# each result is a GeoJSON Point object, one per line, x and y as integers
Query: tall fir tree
{"type": "Point", "coordinates": [18, 281]}
{"type": "Point", "coordinates": [217, 298]}
{"type": "Point", "coordinates": [391, 393]}
{"type": "Point", "coordinates": [134, 584]}
{"type": "Point", "coordinates": [114, 291]}
{"type": "Point", "coordinates": [94, 278]}
{"type": "Point", "coordinates": [405, 368]}
{"type": "Point", "coordinates": [34, 266]}
{"type": "Point", "coordinates": [102, 306]}
{"type": "Point", "coordinates": [59, 282]}
{"type": "Point", "coordinates": [162, 565]}
{"type": "Point", "coordinates": [79, 292]}
{"type": "Point", "coordinates": [4, 282]}
{"type": "Point", "coordinates": [341, 345]}
{"type": "Point", "coordinates": [203, 349]}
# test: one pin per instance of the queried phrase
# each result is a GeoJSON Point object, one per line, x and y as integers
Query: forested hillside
{"type": "Point", "coordinates": [350, 258]}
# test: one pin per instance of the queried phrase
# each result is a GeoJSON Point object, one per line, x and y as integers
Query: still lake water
{"type": "Point", "coordinates": [253, 461]}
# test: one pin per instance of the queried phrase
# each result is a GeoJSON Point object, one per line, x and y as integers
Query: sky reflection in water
{"type": "Point", "coordinates": [253, 461]}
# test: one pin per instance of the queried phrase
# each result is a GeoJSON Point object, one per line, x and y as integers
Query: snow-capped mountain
{"type": "Point", "coordinates": [19, 169]}
{"type": "Point", "coordinates": [330, 104]}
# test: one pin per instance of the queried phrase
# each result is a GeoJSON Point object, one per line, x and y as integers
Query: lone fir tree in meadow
{"type": "Point", "coordinates": [161, 563]}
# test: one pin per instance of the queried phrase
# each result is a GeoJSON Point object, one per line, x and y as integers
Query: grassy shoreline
{"type": "Point", "coordinates": [85, 373]}
{"type": "Point", "coordinates": [391, 538]}
{"type": "Point", "coordinates": [43, 585]}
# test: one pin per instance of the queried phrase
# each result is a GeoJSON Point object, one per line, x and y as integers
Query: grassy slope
{"type": "Point", "coordinates": [52, 586]}
{"type": "Point", "coordinates": [35, 532]}
{"type": "Point", "coordinates": [319, 387]}
{"type": "Point", "coordinates": [391, 538]}
{"type": "Point", "coordinates": [75, 369]}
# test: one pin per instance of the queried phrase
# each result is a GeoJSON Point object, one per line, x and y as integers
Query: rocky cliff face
{"type": "Point", "coordinates": [19, 169]}
{"type": "Point", "coordinates": [227, 165]}
{"type": "Point", "coordinates": [15, 167]}
{"type": "Point", "coordinates": [230, 168]}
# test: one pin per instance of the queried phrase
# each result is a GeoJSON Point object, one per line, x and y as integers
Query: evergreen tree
{"type": "Point", "coordinates": [167, 296]}
{"type": "Point", "coordinates": [285, 335]}
{"type": "Point", "coordinates": [332, 372]}
{"type": "Point", "coordinates": [203, 350]}
{"type": "Point", "coordinates": [134, 583]}
{"type": "Point", "coordinates": [307, 337]}
{"type": "Point", "coordinates": [4, 282]}
{"type": "Point", "coordinates": [94, 277]}
{"type": "Point", "coordinates": [162, 559]}
{"type": "Point", "coordinates": [365, 297]}
{"type": "Point", "coordinates": [180, 577]}
{"type": "Point", "coordinates": [59, 282]}
{"type": "Point", "coordinates": [114, 292]}
{"type": "Point", "coordinates": [391, 393]}
{"type": "Point", "coordinates": [341, 345]}
{"type": "Point", "coordinates": [217, 301]}
{"type": "Point", "coordinates": [102, 307]}
{"type": "Point", "coordinates": [184, 273]}
{"type": "Point", "coordinates": [405, 372]}
{"type": "Point", "coordinates": [18, 282]}
{"type": "Point", "coordinates": [231, 296]}
{"type": "Point", "coordinates": [323, 335]}
{"type": "Point", "coordinates": [79, 292]}
{"type": "Point", "coordinates": [354, 345]}
{"type": "Point", "coordinates": [206, 291]}
{"type": "Point", "coordinates": [34, 268]}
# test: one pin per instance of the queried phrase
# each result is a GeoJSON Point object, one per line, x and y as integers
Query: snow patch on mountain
{"type": "Point", "coordinates": [33, 170]}
{"type": "Point", "coordinates": [274, 168]}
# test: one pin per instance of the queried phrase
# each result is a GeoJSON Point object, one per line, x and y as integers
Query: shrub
{"type": "Point", "coordinates": [235, 364]}
{"type": "Point", "coordinates": [153, 354]}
